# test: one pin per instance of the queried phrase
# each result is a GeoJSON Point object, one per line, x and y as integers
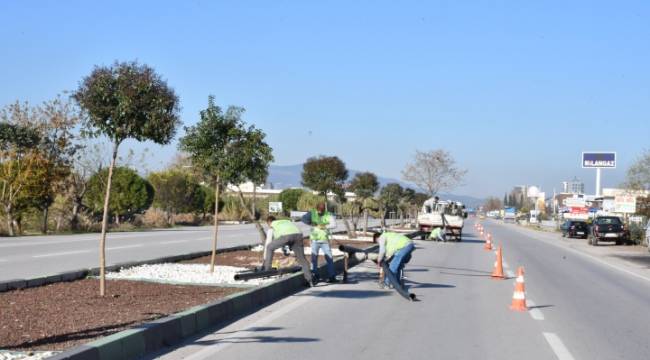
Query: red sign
{"type": "Point", "coordinates": [579, 210]}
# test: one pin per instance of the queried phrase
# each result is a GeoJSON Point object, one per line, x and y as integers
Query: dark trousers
{"type": "Point", "coordinates": [295, 243]}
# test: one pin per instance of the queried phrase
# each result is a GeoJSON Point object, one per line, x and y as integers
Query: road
{"type": "Point", "coordinates": [582, 307]}
{"type": "Point", "coordinates": [34, 256]}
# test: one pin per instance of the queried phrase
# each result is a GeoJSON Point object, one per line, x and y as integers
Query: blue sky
{"type": "Point", "coordinates": [515, 90]}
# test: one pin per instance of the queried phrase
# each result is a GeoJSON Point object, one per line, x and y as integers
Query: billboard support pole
{"type": "Point", "coordinates": [598, 181]}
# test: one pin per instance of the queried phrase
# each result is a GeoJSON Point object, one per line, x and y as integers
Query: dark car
{"type": "Point", "coordinates": [575, 228]}
{"type": "Point", "coordinates": [608, 228]}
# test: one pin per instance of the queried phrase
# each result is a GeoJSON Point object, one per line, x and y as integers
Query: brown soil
{"type": "Point", "coordinates": [59, 316]}
{"type": "Point", "coordinates": [239, 258]}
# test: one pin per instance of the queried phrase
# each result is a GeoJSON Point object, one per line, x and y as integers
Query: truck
{"type": "Point", "coordinates": [447, 215]}
{"type": "Point", "coordinates": [509, 215]}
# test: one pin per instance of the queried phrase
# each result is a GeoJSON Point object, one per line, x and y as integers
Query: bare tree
{"type": "Point", "coordinates": [433, 171]}
{"type": "Point", "coordinates": [638, 175]}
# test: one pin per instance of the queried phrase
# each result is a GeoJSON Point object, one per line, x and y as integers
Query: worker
{"type": "Point", "coordinates": [321, 222]}
{"type": "Point", "coordinates": [438, 234]}
{"type": "Point", "coordinates": [396, 250]}
{"type": "Point", "coordinates": [281, 233]}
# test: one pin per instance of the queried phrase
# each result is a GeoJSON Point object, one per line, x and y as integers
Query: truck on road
{"type": "Point", "coordinates": [448, 215]}
{"type": "Point", "coordinates": [509, 215]}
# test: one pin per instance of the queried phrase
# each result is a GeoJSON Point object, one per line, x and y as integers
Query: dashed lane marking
{"type": "Point", "coordinates": [124, 247]}
{"type": "Point", "coordinates": [173, 242]}
{"type": "Point", "coordinates": [60, 254]}
{"type": "Point", "coordinates": [558, 347]}
{"type": "Point", "coordinates": [534, 312]}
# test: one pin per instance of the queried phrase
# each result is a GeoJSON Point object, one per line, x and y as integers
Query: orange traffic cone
{"type": "Point", "coordinates": [498, 266]}
{"type": "Point", "coordinates": [488, 242]}
{"type": "Point", "coordinates": [519, 296]}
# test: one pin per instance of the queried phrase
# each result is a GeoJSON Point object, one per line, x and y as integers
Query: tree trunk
{"type": "Point", "coordinates": [102, 241]}
{"type": "Point", "coordinates": [351, 233]}
{"type": "Point", "coordinates": [59, 222]}
{"type": "Point", "coordinates": [365, 222]}
{"type": "Point", "coordinates": [216, 225]}
{"type": "Point", "coordinates": [46, 212]}
{"type": "Point", "coordinates": [259, 227]}
{"type": "Point", "coordinates": [253, 202]}
{"type": "Point", "coordinates": [10, 220]}
{"type": "Point", "coordinates": [74, 221]}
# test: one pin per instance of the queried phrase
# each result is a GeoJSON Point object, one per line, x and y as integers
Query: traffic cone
{"type": "Point", "coordinates": [488, 242]}
{"type": "Point", "coordinates": [498, 266]}
{"type": "Point", "coordinates": [519, 296]}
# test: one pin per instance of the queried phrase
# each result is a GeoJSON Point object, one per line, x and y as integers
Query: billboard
{"type": "Point", "coordinates": [603, 160]}
{"type": "Point", "coordinates": [275, 207]}
{"type": "Point", "coordinates": [625, 204]}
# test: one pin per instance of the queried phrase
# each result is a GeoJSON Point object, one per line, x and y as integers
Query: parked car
{"type": "Point", "coordinates": [608, 228]}
{"type": "Point", "coordinates": [575, 228]}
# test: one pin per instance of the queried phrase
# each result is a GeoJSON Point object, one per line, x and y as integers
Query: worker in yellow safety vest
{"type": "Point", "coordinates": [281, 233]}
{"type": "Point", "coordinates": [322, 222]}
{"type": "Point", "coordinates": [396, 249]}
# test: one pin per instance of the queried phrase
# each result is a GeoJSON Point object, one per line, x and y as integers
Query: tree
{"type": "Point", "coordinates": [390, 196]}
{"type": "Point", "coordinates": [212, 144]}
{"type": "Point", "coordinates": [364, 185]}
{"type": "Point", "coordinates": [638, 175]}
{"type": "Point", "coordinates": [57, 119]}
{"type": "Point", "coordinates": [289, 199]}
{"type": "Point", "coordinates": [324, 174]}
{"type": "Point", "coordinates": [252, 157]}
{"type": "Point", "coordinates": [492, 203]}
{"type": "Point", "coordinates": [132, 193]}
{"type": "Point", "coordinates": [433, 171]}
{"type": "Point", "coordinates": [126, 101]}
{"type": "Point", "coordinates": [20, 163]}
{"type": "Point", "coordinates": [176, 192]}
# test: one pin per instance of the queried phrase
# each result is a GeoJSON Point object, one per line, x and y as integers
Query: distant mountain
{"type": "Point", "coordinates": [288, 176]}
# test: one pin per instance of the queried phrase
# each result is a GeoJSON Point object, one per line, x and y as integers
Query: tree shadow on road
{"type": "Point", "coordinates": [348, 294]}
{"type": "Point", "coordinates": [256, 339]}
{"type": "Point", "coordinates": [453, 268]}
{"type": "Point", "coordinates": [637, 259]}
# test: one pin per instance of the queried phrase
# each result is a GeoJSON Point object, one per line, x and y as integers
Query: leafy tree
{"type": "Point", "coordinates": [126, 101]}
{"type": "Point", "coordinates": [364, 185]}
{"type": "Point", "coordinates": [212, 145]}
{"type": "Point", "coordinates": [57, 119]}
{"type": "Point", "coordinates": [324, 174]}
{"type": "Point", "coordinates": [289, 198]}
{"type": "Point", "coordinates": [309, 201]}
{"type": "Point", "coordinates": [20, 163]}
{"type": "Point", "coordinates": [638, 175]}
{"type": "Point", "coordinates": [133, 194]}
{"type": "Point", "coordinates": [176, 192]}
{"type": "Point", "coordinates": [492, 203]}
{"type": "Point", "coordinates": [252, 158]}
{"type": "Point", "coordinates": [390, 196]}
{"type": "Point", "coordinates": [433, 171]}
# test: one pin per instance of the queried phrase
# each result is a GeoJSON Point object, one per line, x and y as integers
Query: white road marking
{"type": "Point", "coordinates": [173, 242]}
{"type": "Point", "coordinates": [510, 274]}
{"type": "Point", "coordinates": [558, 347]}
{"type": "Point", "coordinates": [536, 314]}
{"type": "Point", "coordinates": [61, 254]}
{"type": "Point", "coordinates": [124, 247]}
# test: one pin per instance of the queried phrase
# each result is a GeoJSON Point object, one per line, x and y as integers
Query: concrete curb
{"type": "Point", "coordinates": [156, 335]}
{"type": "Point", "coordinates": [17, 284]}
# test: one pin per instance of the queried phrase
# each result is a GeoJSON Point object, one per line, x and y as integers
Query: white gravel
{"type": "Point", "coordinates": [31, 355]}
{"type": "Point", "coordinates": [192, 274]}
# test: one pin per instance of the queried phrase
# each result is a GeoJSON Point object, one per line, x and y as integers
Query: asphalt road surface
{"type": "Point", "coordinates": [33, 256]}
{"type": "Point", "coordinates": [581, 307]}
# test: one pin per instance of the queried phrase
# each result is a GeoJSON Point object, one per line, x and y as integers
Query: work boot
{"type": "Point", "coordinates": [332, 280]}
